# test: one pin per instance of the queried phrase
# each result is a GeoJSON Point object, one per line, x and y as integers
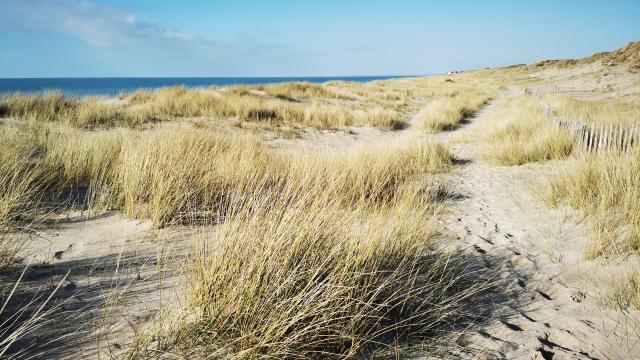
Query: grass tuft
{"type": "Point", "coordinates": [519, 133]}
{"type": "Point", "coordinates": [606, 187]}
{"type": "Point", "coordinates": [447, 113]}
{"type": "Point", "coordinates": [293, 280]}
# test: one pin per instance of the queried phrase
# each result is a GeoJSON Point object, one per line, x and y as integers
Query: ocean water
{"type": "Point", "coordinates": [113, 86]}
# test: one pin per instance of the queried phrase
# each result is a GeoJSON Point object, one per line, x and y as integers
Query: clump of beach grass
{"type": "Point", "coordinates": [24, 187]}
{"type": "Point", "coordinates": [605, 186]}
{"type": "Point", "coordinates": [333, 261]}
{"type": "Point", "coordinates": [608, 111]}
{"type": "Point", "coordinates": [89, 112]}
{"type": "Point", "coordinates": [305, 280]}
{"type": "Point", "coordinates": [519, 133]}
{"type": "Point", "coordinates": [301, 90]}
{"type": "Point", "coordinates": [169, 175]}
{"type": "Point", "coordinates": [279, 108]}
{"type": "Point", "coordinates": [448, 112]}
{"type": "Point", "coordinates": [150, 183]}
{"type": "Point", "coordinates": [330, 116]}
{"type": "Point", "coordinates": [48, 106]}
{"type": "Point", "coordinates": [139, 97]}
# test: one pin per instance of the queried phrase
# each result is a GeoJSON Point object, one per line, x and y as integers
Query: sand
{"type": "Point", "coordinates": [536, 255]}
{"type": "Point", "coordinates": [115, 274]}
{"type": "Point", "coordinates": [549, 302]}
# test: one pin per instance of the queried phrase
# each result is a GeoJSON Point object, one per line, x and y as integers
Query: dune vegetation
{"type": "Point", "coordinates": [283, 104]}
{"type": "Point", "coordinates": [334, 290]}
{"type": "Point", "coordinates": [448, 112]}
{"type": "Point", "coordinates": [296, 91]}
{"type": "Point", "coordinates": [347, 249]}
{"type": "Point", "coordinates": [519, 133]}
{"type": "Point", "coordinates": [606, 187]}
{"type": "Point", "coordinates": [608, 111]}
{"type": "Point", "coordinates": [346, 239]}
{"type": "Point", "coordinates": [139, 171]}
{"type": "Point", "coordinates": [297, 249]}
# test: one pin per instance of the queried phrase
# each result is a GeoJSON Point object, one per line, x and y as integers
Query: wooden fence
{"type": "Point", "coordinates": [593, 137]}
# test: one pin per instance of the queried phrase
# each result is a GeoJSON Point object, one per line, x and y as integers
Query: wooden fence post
{"type": "Point", "coordinates": [620, 134]}
{"type": "Point", "coordinates": [612, 128]}
{"type": "Point", "coordinates": [585, 134]}
{"type": "Point", "coordinates": [599, 140]}
{"type": "Point", "coordinates": [625, 140]}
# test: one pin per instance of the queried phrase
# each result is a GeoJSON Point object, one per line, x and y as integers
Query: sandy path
{"type": "Point", "coordinates": [554, 309]}
{"type": "Point", "coordinates": [535, 254]}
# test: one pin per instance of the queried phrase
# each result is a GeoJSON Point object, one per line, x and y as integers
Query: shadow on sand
{"type": "Point", "coordinates": [90, 296]}
{"type": "Point", "coordinates": [97, 289]}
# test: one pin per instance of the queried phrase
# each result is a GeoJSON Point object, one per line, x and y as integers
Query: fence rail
{"type": "Point", "coordinates": [593, 137]}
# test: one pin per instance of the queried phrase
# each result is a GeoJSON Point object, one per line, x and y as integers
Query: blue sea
{"type": "Point", "coordinates": [113, 86]}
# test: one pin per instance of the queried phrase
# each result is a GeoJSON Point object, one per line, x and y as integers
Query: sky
{"type": "Point", "coordinates": [146, 38]}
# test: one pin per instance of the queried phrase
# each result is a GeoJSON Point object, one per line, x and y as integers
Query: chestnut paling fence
{"type": "Point", "coordinates": [593, 137]}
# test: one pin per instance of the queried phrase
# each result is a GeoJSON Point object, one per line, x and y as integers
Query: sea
{"type": "Point", "coordinates": [114, 85]}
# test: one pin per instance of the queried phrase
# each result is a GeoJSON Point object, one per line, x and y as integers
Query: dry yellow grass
{"type": "Point", "coordinates": [382, 104]}
{"type": "Point", "coordinates": [345, 240]}
{"type": "Point", "coordinates": [137, 97]}
{"type": "Point", "coordinates": [290, 91]}
{"type": "Point", "coordinates": [594, 111]}
{"type": "Point", "coordinates": [606, 187]}
{"type": "Point", "coordinates": [625, 292]}
{"type": "Point", "coordinates": [312, 253]}
{"type": "Point", "coordinates": [49, 106]}
{"type": "Point", "coordinates": [177, 102]}
{"type": "Point", "coordinates": [331, 116]}
{"type": "Point", "coordinates": [85, 113]}
{"type": "Point", "coordinates": [27, 188]}
{"type": "Point", "coordinates": [519, 133]}
{"type": "Point", "coordinates": [447, 113]}
{"type": "Point", "coordinates": [300, 280]}
{"type": "Point", "coordinates": [300, 90]}
{"type": "Point", "coordinates": [20, 193]}
{"type": "Point", "coordinates": [172, 175]}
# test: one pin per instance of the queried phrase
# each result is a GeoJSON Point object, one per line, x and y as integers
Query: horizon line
{"type": "Point", "coordinates": [223, 77]}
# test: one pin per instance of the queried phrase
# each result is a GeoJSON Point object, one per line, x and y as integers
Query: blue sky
{"type": "Point", "coordinates": [77, 38]}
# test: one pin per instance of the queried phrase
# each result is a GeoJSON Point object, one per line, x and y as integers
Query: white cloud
{"type": "Point", "coordinates": [118, 34]}
{"type": "Point", "coordinates": [97, 25]}
{"type": "Point", "coordinates": [109, 26]}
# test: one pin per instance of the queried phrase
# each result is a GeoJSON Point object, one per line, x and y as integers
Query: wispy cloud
{"type": "Point", "coordinates": [109, 26]}
{"type": "Point", "coordinates": [122, 39]}
{"type": "Point", "coordinates": [97, 25]}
